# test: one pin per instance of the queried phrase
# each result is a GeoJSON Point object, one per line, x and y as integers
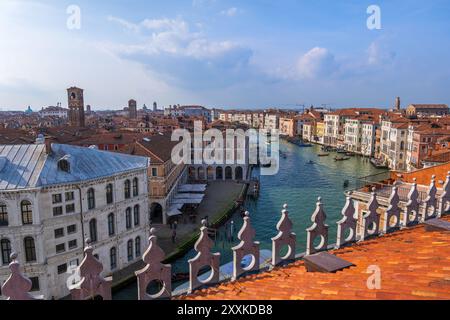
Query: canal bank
{"type": "Point", "coordinates": [298, 183]}
{"type": "Point", "coordinates": [221, 201]}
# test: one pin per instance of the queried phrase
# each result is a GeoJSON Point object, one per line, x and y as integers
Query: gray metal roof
{"type": "Point", "coordinates": [28, 166]}
{"type": "Point", "coordinates": [20, 165]}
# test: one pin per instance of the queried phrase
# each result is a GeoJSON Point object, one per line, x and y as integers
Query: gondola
{"type": "Point", "coordinates": [341, 158]}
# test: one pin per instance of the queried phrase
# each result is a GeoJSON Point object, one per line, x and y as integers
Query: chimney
{"type": "Point", "coordinates": [48, 144]}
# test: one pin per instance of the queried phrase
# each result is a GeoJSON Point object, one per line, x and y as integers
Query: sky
{"type": "Point", "coordinates": [224, 53]}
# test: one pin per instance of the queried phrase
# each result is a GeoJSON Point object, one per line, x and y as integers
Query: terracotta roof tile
{"type": "Point", "coordinates": [414, 264]}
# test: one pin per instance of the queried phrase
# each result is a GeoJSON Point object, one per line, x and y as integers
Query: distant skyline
{"type": "Point", "coordinates": [224, 53]}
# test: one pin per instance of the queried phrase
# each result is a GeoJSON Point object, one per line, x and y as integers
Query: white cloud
{"type": "Point", "coordinates": [378, 54]}
{"type": "Point", "coordinates": [315, 63]}
{"type": "Point", "coordinates": [231, 12]}
{"type": "Point", "coordinates": [38, 61]}
{"type": "Point", "coordinates": [173, 36]}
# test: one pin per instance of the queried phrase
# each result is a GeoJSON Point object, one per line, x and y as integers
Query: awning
{"type": "Point", "coordinates": [174, 210]}
{"type": "Point", "coordinates": [190, 196]}
{"type": "Point", "coordinates": [186, 188]}
{"type": "Point", "coordinates": [187, 201]}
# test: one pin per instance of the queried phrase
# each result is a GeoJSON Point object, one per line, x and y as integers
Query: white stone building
{"type": "Point", "coordinates": [52, 111]}
{"type": "Point", "coordinates": [53, 198]}
{"type": "Point", "coordinates": [393, 143]}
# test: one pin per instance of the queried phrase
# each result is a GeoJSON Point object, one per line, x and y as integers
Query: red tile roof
{"type": "Point", "coordinates": [414, 264]}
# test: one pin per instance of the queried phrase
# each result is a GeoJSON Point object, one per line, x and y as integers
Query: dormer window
{"type": "Point", "coordinates": [64, 164]}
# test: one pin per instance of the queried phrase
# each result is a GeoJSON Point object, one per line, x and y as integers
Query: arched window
{"type": "Point", "coordinates": [113, 257]}
{"type": "Point", "coordinates": [3, 215]}
{"type": "Point", "coordinates": [111, 225]}
{"type": "Point", "coordinates": [128, 218]}
{"type": "Point", "coordinates": [135, 187]}
{"type": "Point", "coordinates": [127, 189]}
{"type": "Point", "coordinates": [27, 212]}
{"type": "Point", "coordinates": [30, 249]}
{"type": "Point", "coordinates": [109, 194]}
{"type": "Point", "coordinates": [93, 230]}
{"type": "Point", "coordinates": [137, 217]}
{"type": "Point", "coordinates": [130, 250]}
{"type": "Point", "coordinates": [91, 199]}
{"type": "Point", "coordinates": [5, 246]}
{"type": "Point", "coordinates": [137, 246]}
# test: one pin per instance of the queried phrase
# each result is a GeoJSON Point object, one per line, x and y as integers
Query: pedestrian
{"type": "Point", "coordinates": [232, 230]}
{"type": "Point", "coordinates": [175, 224]}
{"type": "Point", "coordinates": [174, 235]}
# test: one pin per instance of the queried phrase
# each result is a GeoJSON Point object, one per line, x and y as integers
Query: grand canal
{"type": "Point", "coordinates": [298, 184]}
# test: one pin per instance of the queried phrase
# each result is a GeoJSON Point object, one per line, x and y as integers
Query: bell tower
{"type": "Point", "coordinates": [132, 109]}
{"type": "Point", "coordinates": [76, 107]}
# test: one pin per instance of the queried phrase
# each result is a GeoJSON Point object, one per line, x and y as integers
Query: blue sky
{"type": "Point", "coordinates": [225, 53]}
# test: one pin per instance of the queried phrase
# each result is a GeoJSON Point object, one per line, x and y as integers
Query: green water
{"type": "Point", "coordinates": [298, 184]}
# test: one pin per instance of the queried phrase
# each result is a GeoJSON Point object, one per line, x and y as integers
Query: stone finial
{"type": "Point", "coordinates": [285, 237]}
{"type": "Point", "coordinates": [92, 284]}
{"type": "Point", "coordinates": [245, 248]}
{"type": "Point", "coordinates": [430, 203]}
{"type": "Point", "coordinates": [393, 211]}
{"type": "Point", "coordinates": [154, 271]}
{"type": "Point", "coordinates": [411, 215]}
{"type": "Point", "coordinates": [17, 286]}
{"type": "Point", "coordinates": [318, 230]}
{"type": "Point", "coordinates": [348, 222]}
{"type": "Point", "coordinates": [371, 221]}
{"type": "Point", "coordinates": [444, 199]}
{"type": "Point", "coordinates": [203, 258]}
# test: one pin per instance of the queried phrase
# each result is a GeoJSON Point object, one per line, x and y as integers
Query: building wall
{"type": "Point", "coordinates": [52, 283]}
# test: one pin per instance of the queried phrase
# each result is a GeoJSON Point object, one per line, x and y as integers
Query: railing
{"type": "Point", "coordinates": [418, 209]}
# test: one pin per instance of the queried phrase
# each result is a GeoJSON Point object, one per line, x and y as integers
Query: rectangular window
{"type": "Point", "coordinates": [70, 208]}
{"type": "Point", "coordinates": [60, 248]}
{"type": "Point", "coordinates": [154, 172]}
{"type": "Point", "coordinates": [72, 244]}
{"type": "Point", "coordinates": [34, 284]}
{"type": "Point", "coordinates": [57, 211]}
{"type": "Point", "coordinates": [62, 268]}
{"type": "Point", "coordinates": [72, 229]}
{"type": "Point", "coordinates": [70, 196]}
{"type": "Point", "coordinates": [74, 263]}
{"type": "Point", "coordinates": [57, 198]}
{"type": "Point", "coordinates": [59, 233]}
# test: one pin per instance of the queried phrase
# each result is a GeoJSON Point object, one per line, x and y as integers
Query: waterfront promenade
{"type": "Point", "coordinates": [219, 196]}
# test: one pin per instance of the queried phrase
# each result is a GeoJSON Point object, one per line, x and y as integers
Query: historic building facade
{"type": "Point", "coordinates": [62, 196]}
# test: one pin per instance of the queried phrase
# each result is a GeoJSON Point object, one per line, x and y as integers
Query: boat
{"type": "Point", "coordinates": [378, 164]}
{"type": "Point", "coordinates": [349, 154]}
{"type": "Point", "coordinates": [341, 158]}
{"type": "Point", "coordinates": [323, 154]}
{"type": "Point", "coordinates": [310, 162]}
{"type": "Point", "coordinates": [341, 150]}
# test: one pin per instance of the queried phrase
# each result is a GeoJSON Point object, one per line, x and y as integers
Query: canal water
{"type": "Point", "coordinates": [298, 184]}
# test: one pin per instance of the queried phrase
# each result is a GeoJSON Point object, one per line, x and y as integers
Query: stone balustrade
{"type": "Point", "coordinates": [374, 222]}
